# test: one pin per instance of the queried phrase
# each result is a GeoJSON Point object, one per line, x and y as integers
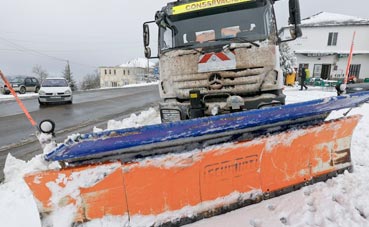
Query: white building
{"type": "Point", "coordinates": [132, 72]}
{"type": "Point", "coordinates": [326, 42]}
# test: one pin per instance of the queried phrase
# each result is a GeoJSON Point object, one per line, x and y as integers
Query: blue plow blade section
{"type": "Point", "coordinates": [116, 142]}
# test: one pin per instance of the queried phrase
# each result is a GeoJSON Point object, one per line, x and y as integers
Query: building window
{"type": "Point", "coordinates": [128, 72]}
{"type": "Point", "coordinates": [115, 72]}
{"type": "Point", "coordinates": [332, 38]}
{"type": "Point", "coordinates": [317, 70]}
{"type": "Point", "coordinates": [109, 71]}
{"type": "Point", "coordinates": [106, 71]}
{"type": "Point", "coordinates": [355, 70]}
{"type": "Point", "coordinates": [124, 72]}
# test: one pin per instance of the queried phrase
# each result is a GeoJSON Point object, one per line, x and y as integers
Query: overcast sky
{"type": "Point", "coordinates": [93, 33]}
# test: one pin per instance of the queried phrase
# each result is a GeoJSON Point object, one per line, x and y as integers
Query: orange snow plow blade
{"type": "Point", "coordinates": [199, 183]}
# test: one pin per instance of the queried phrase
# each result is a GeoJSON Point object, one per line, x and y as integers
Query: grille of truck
{"type": "Point", "coordinates": [233, 82]}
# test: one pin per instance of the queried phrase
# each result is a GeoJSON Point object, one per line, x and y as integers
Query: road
{"type": "Point", "coordinates": [92, 108]}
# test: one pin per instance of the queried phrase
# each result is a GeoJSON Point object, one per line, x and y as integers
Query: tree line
{"type": "Point", "coordinates": [89, 81]}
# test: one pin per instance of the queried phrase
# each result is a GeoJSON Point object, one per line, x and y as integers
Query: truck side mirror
{"type": "Point", "coordinates": [147, 52]}
{"type": "Point", "coordinates": [295, 32]}
{"type": "Point", "coordinates": [295, 18]}
{"type": "Point", "coordinates": [146, 35]}
{"type": "Point", "coordinates": [146, 39]}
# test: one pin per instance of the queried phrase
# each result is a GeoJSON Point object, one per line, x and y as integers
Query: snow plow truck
{"type": "Point", "coordinates": [219, 57]}
{"type": "Point", "coordinates": [209, 155]}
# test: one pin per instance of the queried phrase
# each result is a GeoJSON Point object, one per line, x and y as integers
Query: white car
{"type": "Point", "coordinates": [55, 90]}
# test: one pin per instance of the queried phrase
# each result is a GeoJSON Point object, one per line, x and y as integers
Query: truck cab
{"type": "Point", "coordinates": [218, 57]}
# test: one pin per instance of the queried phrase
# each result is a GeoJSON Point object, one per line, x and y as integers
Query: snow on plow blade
{"type": "Point", "coordinates": [182, 187]}
{"type": "Point", "coordinates": [127, 144]}
{"type": "Point", "coordinates": [200, 183]}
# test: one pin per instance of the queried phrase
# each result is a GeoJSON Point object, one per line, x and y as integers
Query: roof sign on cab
{"type": "Point", "coordinates": [204, 4]}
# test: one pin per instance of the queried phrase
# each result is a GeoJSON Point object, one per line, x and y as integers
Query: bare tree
{"type": "Point", "coordinates": [91, 81]}
{"type": "Point", "coordinates": [40, 72]}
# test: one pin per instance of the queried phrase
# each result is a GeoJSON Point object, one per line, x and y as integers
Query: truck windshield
{"type": "Point", "coordinates": [243, 25]}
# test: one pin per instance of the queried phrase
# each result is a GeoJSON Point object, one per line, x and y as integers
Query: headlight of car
{"type": "Point", "coordinates": [41, 92]}
{"type": "Point", "coordinates": [68, 92]}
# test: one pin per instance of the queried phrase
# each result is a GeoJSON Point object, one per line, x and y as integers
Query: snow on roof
{"type": "Point", "coordinates": [139, 63]}
{"type": "Point", "coordinates": [325, 18]}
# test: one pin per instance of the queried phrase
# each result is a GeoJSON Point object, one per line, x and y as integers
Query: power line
{"type": "Point", "coordinates": [25, 49]}
{"type": "Point", "coordinates": [19, 47]}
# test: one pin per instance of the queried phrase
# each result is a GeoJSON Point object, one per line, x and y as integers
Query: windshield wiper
{"type": "Point", "coordinates": [242, 39]}
{"type": "Point", "coordinates": [186, 46]}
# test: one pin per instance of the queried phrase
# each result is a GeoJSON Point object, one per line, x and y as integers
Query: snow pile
{"type": "Point", "coordinates": [324, 18]}
{"type": "Point", "coordinates": [139, 63]}
{"type": "Point", "coordinates": [148, 117]}
{"type": "Point", "coordinates": [21, 96]}
{"type": "Point", "coordinates": [341, 201]}
{"type": "Point", "coordinates": [17, 205]}
{"type": "Point", "coordinates": [16, 168]}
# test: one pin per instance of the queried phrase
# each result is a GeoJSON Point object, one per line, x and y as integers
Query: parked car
{"type": "Point", "coordinates": [55, 90]}
{"type": "Point", "coordinates": [22, 85]}
{"type": "Point", "coordinates": [357, 87]}
{"type": "Point", "coordinates": [2, 89]}
{"type": "Point", "coordinates": [351, 88]}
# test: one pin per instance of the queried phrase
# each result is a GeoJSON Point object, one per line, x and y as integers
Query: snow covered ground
{"type": "Point", "coordinates": [21, 96]}
{"type": "Point", "coordinates": [32, 94]}
{"type": "Point", "coordinates": [342, 201]}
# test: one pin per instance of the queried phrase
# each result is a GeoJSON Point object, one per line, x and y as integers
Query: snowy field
{"type": "Point", "coordinates": [341, 201]}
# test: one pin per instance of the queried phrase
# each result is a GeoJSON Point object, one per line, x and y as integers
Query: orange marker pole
{"type": "Point", "coordinates": [20, 103]}
{"type": "Point", "coordinates": [349, 59]}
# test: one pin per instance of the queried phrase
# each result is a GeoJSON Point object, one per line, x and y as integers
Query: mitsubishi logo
{"type": "Point", "coordinates": [215, 81]}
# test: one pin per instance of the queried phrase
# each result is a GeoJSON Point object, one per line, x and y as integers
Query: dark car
{"type": "Point", "coordinates": [357, 87]}
{"type": "Point", "coordinates": [22, 85]}
{"type": "Point", "coordinates": [351, 88]}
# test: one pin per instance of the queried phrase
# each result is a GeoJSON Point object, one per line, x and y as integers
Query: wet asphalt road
{"type": "Point", "coordinates": [92, 108]}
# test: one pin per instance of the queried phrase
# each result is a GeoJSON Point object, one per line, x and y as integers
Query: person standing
{"type": "Point", "coordinates": [303, 78]}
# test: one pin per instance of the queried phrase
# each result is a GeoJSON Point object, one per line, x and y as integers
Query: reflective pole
{"type": "Point", "coordinates": [349, 59]}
